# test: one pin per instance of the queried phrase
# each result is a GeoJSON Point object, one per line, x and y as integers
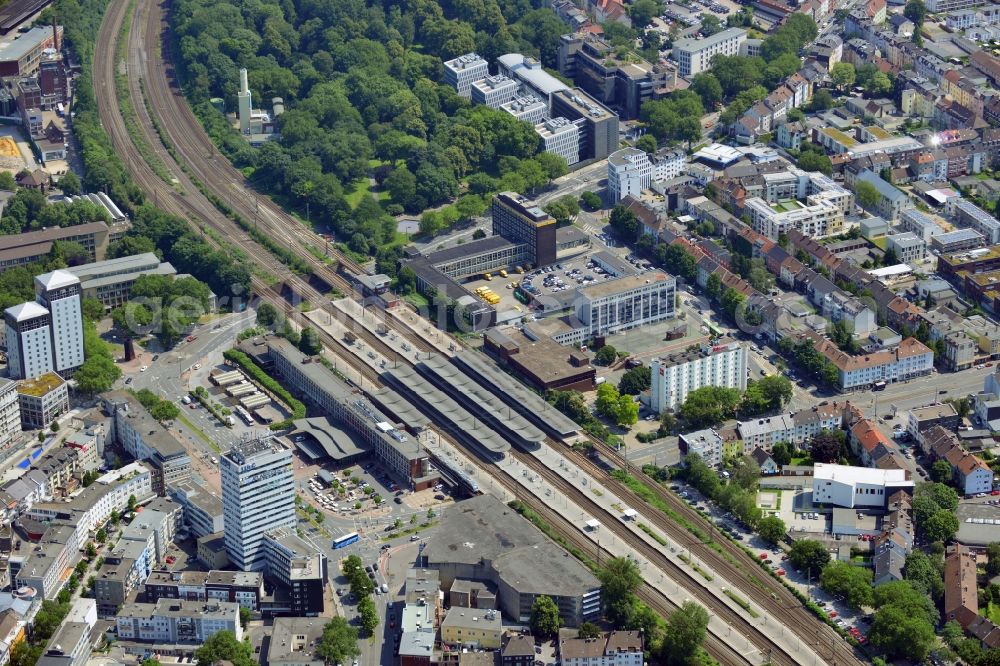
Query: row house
{"type": "Point", "coordinates": [972, 475]}
{"type": "Point", "coordinates": [860, 372]}
{"type": "Point", "coordinates": [795, 428]}
{"type": "Point", "coordinates": [896, 540]}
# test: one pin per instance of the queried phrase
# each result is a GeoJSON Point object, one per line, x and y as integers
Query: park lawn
{"type": "Point", "coordinates": [362, 188]}
{"type": "Point", "coordinates": [801, 460]}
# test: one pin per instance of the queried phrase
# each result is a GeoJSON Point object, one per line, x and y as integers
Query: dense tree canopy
{"type": "Point", "coordinates": [362, 83]}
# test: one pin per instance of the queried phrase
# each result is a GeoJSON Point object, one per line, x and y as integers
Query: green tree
{"type": "Point", "coordinates": [635, 381]}
{"type": "Point", "coordinates": [646, 143]}
{"type": "Point", "coordinates": [624, 223]}
{"type": "Point", "coordinates": [626, 411]}
{"type": "Point", "coordinates": [916, 11]}
{"type": "Point", "coordinates": [901, 635]}
{"type": "Point", "coordinates": [924, 574]}
{"type": "Point", "coordinates": [825, 446]}
{"type": "Point", "coordinates": [993, 559]}
{"type": "Point", "coordinates": [606, 355]}
{"type": "Point", "coordinates": [588, 630]}
{"type": "Point", "coordinates": [98, 371]}
{"type": "Point", "coordinates": [810, 161]}
{"type": "Point", "coordinates": [368, 614]}
{"type": "Point", "coordinates": [941, 471]}
{"type": "Point", "coordinates": [708, 88]}
{"type": "Point", "coordinates": [101, 535]}
{"type": "Point", "coordinates": [809, 556]}
{"type": "Point", "coordinates": [267, 315]}
{"type": "Point", "coordinates": [339, 642]}
{"type": "Point", "coordinates": [843, 75]}
{"type": "Point", "coordinates": [223, 646]}
{"type": "Point", "coordinates": [686, 629]}
{"type": "Point", "coordinates": [592, 200]}
{"type": "Point", "coordinates": [772, 529]}
{"type": "Point", "coordinates": [851, 582]}
{"type": "Point", "coordinates": [69, 183]}
{"type": "Point", "coordinates": [245, 617]}
{"type": "Point", "coordinates": [942, 526]}
{"type": "Point", "coordinates": [91, 551]}
{"type": "Point", "coordinates": [93, 309]}
{"type": "Point", "coordinates": [545, 620]}
{"type": "Point", "coordinates": [709, 405]}
{"type": "Point", "coordinates": [309, 342]}
{"type": "Point", "coordinates": [620, 578]}
{"type": "Point", "coordinates": [821, 101]}
{"type": "Point", "coordinates": [710, 25]}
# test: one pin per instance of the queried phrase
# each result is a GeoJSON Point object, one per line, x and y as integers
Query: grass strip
{"type": "Point", "coordinates": [741, 602]}
{"type": "Point", "coordinates": [648, 530]}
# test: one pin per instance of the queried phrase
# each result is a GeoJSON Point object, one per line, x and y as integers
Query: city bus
{"type": "Point", "coordinates": [346, 540]}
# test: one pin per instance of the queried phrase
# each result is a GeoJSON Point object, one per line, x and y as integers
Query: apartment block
{"type": "Point", "coordinates": [908, 247]}
{"type": "Point", "coordinates": [144, 438]}
{"type": "Point", "coordinates": [60, 293]}
{"type": "Point", "coordinates": [10, 418]}
{"type": "Point", "coordinates": [970, 216]}
{"type": "Point", "coordinates": [42, 400]}
{"type": "Point", "coordinates": [177, 621]}
{"type": "Point", "coordinates": [694, 55]}
{"type": "Point", "coordinates": [629, 173]}
{"type": "Point", "coordinates": [674, 376]}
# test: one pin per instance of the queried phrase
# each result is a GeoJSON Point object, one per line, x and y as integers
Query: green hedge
{"type": "Point", "coordinates": [268, 382]}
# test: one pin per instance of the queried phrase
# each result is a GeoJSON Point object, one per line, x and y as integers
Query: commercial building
{"type": "Point", "coordinates": [110, 281]}
{"type": "Point", "coordinates": [623, 82]}
{"type": "Point", "coordinates": [21, 53]}
{"type": "Point", "coordinates": [299, 568]}
{"type": "Point", "coordinates": [530, 74]}
{"type": "Point", "coordinates": [59, 292]}
{"type": "Point", "coordinates": [518, 560]}
{"type": "Point", "coordinates": [629, 173]}
{"type": "Point", "coordinates": [258, 496]}
{"type": "Point", "coordinates": [460, 72]}
{"type": "Point", "coordinates": [528, 108]}
{"type": "Point", "coordinates": [35, 246]}
{"type": "Point", "coordinates": [808, 202]}
{"type": "Point", "coordinates": [478, 629]}
{"type": "Point", "coordinates": [959, 240]}
{"type": "Point", "coordinates": [623, 303]}
{"type": "Point", "coordinates": [560, 137]}
{"type": "Point", "coordinates": [599, 129]}
{"type": "Point", "coordinates": [28, 329]}
{"type": "Point", "coordinates": [294, 642]}
{"type": "Point", "coordinates": [542, 362]}
{"type": "Point", "coordinates": [402, 456]}
{"type": "Point", "coordinates": [857, 487]}
{"type": "Point", "coordinates": [10, 418]}
{"type": "Point", "coordinates": [171, 621]}
{"type": "Point", "coordinates": [920, 420]}
{"type": "Point", "coordinates": [521, 221]}
{"type": "Point", "coordinates": [202, 509]}
{"type": "Point", "coordinates": [493, 91]}
{"type": "Point", "coordinates": [70, 645]}
{"type": "Point", "coordinates": [245, 588]}
{"type": "Point", "coordinates": [706, 443]}
{"type": "Point", "coordinates": [674, 376]}
{"type": "Point", "coordinates": [860, 372]}
{"type": "Point", "coordinates": [694, 55]}
{"type": "Point", "coordinates": [796, 428]}
{"type": "Point", "coordinates": [668, 164]}
{"type": "Point", "coordinates": [145, 438]}
{"type": "Point", "coordinates": [969, 215]}
{"type": "Point", "coordinates": [907, 247]}
{"type": "Point", "coordinates": [42, 400]}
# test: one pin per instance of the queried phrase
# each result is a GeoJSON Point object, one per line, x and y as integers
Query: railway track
{"type": "Point", "coordinates": [676, 572]}
{"type": "Point", "coordinates": [733, 563]}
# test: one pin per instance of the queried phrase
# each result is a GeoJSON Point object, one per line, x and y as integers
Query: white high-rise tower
{"type": "Point", "coordinates": [29, 340]}
{"type": "Point", "coordinates": [245, 103]}
{"type": "Point", "coordinates": [60, 292]}
{"type": "Point", "coordinates": [258, 496]}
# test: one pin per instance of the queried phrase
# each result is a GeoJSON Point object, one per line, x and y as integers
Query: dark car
{"type": "Point", "coordinates": [397, 500]}
{"type": "Point", "coordinates": [439, 497]}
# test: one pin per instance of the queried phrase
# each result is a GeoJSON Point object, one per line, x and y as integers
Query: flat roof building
{"type": "Point", "coordinates": [527, 108]}
{"type": "Point", "coordinates": [694, 55]}
{"type": "Point", "coordinates": [460, 72]}
{"type": "Point", "coordinates": [493, 91]}
{"type": "Point", "coordinates": [857, 487]}
{"type": "Point", "coordinates": [258, 496]}
{"type": "Point", "coordinates": [519, 220]}
{"type": "Point", "coordinates": [676, 375]}
{"type": "Point", "coordinates": [530, 73]}
{"type": "Point", "coordinates": [485, 540]}
{"type": "Point", "coordinates": [599, 130]}
{"type": "Point", "coordinates": [42, 400]}
{"type": "Point", "coordinates": [629, 173]}
{"type": "Point", "coordinates": [560, 137]}
{"type": "Point", "coordinates": [110, 281]}
{"type": "Point", "coordinates": [34, 246]}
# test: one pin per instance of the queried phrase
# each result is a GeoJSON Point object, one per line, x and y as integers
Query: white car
{"type": "Point", "coordinates": [144, 368]}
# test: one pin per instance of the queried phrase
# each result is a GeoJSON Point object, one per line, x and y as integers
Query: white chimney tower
{"type": "Point", "coordinates": [245, 104]}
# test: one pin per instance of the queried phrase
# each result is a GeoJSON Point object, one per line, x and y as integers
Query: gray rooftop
{"type": "Point", "coordinates": [470, 249]}
{"type": "Point", "coordinates": [294, 639]}
{"type": "Point", "coordinates": [416, 386]}
{"type": "Point", "coordinates": [403, 409]}
{"type": "Point", "coordinates": [487, 373]}
{"type": "Point", "coordinates": [483, 529]}
{"type": "Point", "coordinates": [696, 44]}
